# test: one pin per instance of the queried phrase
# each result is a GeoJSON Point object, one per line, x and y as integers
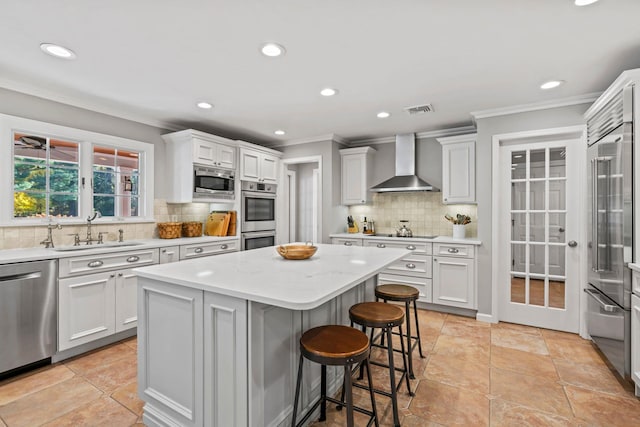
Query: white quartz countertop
{"type": "Point", "coordinates": [435, 239]}
{"type": "Point", "coordinates": [8, 256]}
{"type": "Point", "coordinates": [262, 275]}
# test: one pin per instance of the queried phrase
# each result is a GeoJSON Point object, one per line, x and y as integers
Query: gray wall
{"type": "Point", "coordinates": [31, 107]}
{"type": "Point", "coordinates": [487, 128]}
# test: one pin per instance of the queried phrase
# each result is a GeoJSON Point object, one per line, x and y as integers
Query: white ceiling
{"type": "Point", "coordinates": [152, 60]}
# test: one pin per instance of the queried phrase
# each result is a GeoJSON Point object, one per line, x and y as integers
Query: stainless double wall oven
{"type": "Point", "coordinates": [258, 224]}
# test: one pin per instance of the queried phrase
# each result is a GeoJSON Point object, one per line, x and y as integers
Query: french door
{"type": "Point", "coordinates": [541, 220]}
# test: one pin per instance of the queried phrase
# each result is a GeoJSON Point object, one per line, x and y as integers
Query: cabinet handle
{"type": "Point", "coordinates": [94, 264]}
{"type": "Point", "coordinates": [133, 258]}
{"type": "Point", "coordinates": [381, 245]}
{"type": "Point", "coordinates": [435, 260]}
{"type": "Point", "coordinates": [411, 248]}
{"type": "Point", "coordinates": [411, 266]}
{"type": "Point", "coordinates": [348, 244]}
{"type": "Point", "coordinates": [164, 251]}
{"type": "Point", "coordinates": [224, 247]}
{"type": "Point", "coordinates": [452, 250]}
{"type": "Point", "coordinates": [112, 276]}
{"type": "Point", "coordinates": [445, 199]}
{"type": "Point", "coordinates": [120, 274]}
{"type": "Point", "coordinates": [198, 250]}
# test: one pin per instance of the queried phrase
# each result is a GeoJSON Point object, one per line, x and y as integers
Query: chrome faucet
{"type": "Point", "coordinates": [48, 242]}
{"type": "Point", "coordinates": [89, 240]}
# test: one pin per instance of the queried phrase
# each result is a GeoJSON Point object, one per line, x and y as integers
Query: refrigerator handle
{"type": "Point", "coordinates": [594, 216]}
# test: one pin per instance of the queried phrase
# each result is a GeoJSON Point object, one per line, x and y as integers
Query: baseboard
{"type": "Point", "coordinates": [488, 318]}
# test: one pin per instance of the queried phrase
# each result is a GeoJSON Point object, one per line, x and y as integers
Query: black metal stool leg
{"type": "Point", "coordinates": [323, 393]}
{"type": "Point", "coordinates": [392, 377]}
{"type": "Point", "coordinates": [349, 395]}
{"type": "Point", "coordinates": [373, 399]}
{"type": "Point", "coordinates": [404, 361]}
{"type": "Point", "coordinates": [407, 311]}
{"type": "Point", "coordinates": [295, 401]}
{"type": "Point", "coordinates": [415, 312]}
{"type": "Point", "coordinates": [364, 330]}
{"type": "Point", "coordinates": [382, 335]}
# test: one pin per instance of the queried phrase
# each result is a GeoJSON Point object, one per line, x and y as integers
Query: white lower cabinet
{"type": "Point", "coordinates": [169, 254]}
{"type": "Point", "coordinates": [86, 309]}
{"type": "Point", "coordinates": [454, 276]}
{"type": "Point", "coordinates": [346, 241]}
{"type": "Point", "coordinates": [635, 339]}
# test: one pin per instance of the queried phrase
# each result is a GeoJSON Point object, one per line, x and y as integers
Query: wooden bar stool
{"type": "Point", "coordinates": [408, 295]}
{"type": "Point", "coordinates": [386, 317]}
{"type": "Point", "coordinates": [335, 345]}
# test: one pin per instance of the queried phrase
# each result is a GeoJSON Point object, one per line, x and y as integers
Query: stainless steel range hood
{"type": "Point", "coordinates": [406, 178]}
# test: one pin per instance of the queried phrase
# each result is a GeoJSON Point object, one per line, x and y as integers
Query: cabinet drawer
{"type": "Point", "coordinates": [169, 254]}
{"type": "Point", "coordinates": [424, 286]}
{"type": "Point", "coordinates": [635, 282]}
{"type": "Point", "coordinates": [206, 249]}
{"type": "Point", "coordinates": [416, 247]}
{"type": "Point", "coordinates": [448, 249]}
{"type": "Point", "coordinates": [96, 263]}
{"type": "Point", "coordinates": [411, 265]}
{"type": "Point", "coordinates": [346, 241]}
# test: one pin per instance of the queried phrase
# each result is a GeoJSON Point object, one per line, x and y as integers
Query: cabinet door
{"type": "Point", "coordinates": [250, 166]}
{"type": "Point", "coordinates": [204, 152]}
{"type": "Point", "coordinates": [226, 157]}
{"type": "Point", "coordinates": [269, 169]}
{"type": "Point", "coordinates": [126, 300]}
{"type": "Point", "coordinates": [169, 254]}
{"type": "Point", "coordinates": [354, 191]}
{"type": "Point", "coordinates": [458, 173]}
{"type": "Point", "coordinates": [453, 281]}
{"type": "Point", "coordinates": [86, 309]}
{"type": "Point", "coordinates": [635, 340]}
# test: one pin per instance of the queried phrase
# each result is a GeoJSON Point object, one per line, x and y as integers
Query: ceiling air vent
{"type": "Point", "coordinates": [419, 109]}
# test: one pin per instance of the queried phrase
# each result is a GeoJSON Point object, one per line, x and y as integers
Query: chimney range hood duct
{"type": "Point", "coordinates": [406, 178]}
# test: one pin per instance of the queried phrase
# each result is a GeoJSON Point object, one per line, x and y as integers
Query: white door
{"type": "Point", "coordinates": [538, 275]}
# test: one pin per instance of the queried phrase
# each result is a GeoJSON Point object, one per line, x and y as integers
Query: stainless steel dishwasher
{"type": "Point", "coordinates": [27, 313]}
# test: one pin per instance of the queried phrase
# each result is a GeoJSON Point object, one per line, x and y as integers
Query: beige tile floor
{"type": "Point", "coordinates": [474, 374]}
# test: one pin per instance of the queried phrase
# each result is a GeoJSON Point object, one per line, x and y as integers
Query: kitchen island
{"type": "Point", "coordinates": [218, 336]}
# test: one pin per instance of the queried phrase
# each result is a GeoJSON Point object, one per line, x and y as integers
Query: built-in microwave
{"type": "Point", "coordinates": [212, 183]}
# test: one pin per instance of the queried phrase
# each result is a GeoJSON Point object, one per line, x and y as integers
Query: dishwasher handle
{"type": "Point", "coordinates": [22, 276]}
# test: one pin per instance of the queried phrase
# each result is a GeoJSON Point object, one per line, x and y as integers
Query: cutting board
{"type": "Point", "coordinates": [217, 224]}
{"type": "Point", "coordinates": [231, 231]}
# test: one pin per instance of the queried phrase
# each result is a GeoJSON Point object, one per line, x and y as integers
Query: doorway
{"type": "Point", "coordinates": [302, 200]}
{"type": "Point", "coordinates": [540, 228]}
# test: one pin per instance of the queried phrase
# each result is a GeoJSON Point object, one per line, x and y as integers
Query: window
{"type": "Point", "coordinates": [45, 177]}
{"type": "Point", "coordinates": [66, 173]}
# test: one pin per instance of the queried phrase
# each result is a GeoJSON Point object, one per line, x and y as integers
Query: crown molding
{"type": "Point", "coordinates": [462, 130]}
{"type": "Point", "coordinates": [73, 101]}
{"type": "Point", "coordinates": [544, 105]}
{"type": "Point", "coordinates": [320, 138]}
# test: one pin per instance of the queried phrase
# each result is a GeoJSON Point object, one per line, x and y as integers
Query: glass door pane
{"type": "Point", "coordinates": [538, 219]}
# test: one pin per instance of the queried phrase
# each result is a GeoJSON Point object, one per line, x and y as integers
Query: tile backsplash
{"type": "Point", "coordinates": [424, 211]}
{"type": "Point", "coordinates": [31, 236]}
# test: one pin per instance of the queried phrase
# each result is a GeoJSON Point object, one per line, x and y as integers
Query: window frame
{"type": "Point", "coordinates": [86, 140]}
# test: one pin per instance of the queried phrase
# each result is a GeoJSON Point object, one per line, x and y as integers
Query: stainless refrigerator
{"type": "Point", "coordinates": [610, 138]}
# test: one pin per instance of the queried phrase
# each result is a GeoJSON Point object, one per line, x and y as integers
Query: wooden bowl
{"type": "Point", "coordinates": [296, 251]}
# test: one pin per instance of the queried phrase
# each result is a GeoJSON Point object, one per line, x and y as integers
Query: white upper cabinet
{"type": "Point", "coordinates": [189, 147]}
{"type": "Point", "coordinates": [210, 153]}
{"type": "Point", "coordinates": [356, 175]}
{"type": "Point", "coordinates": [258, 165]}
{"type": "Point", "coordinates": [458, 169]}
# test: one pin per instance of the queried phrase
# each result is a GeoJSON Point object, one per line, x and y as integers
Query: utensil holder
{"type": "Point", "coordinates": [458, 231]}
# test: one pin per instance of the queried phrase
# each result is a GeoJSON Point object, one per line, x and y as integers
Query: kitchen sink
{"type": "Point", "coordinates": [96, 246]}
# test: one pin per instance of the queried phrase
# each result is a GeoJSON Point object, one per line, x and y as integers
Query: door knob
{"type": "Point", "coordinates": [572, 243]}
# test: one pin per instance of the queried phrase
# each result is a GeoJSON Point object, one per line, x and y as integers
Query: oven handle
{"type": "Point", "coordinates": [258, 195]}
{"type": "Point", "coordinates": [596, 296]}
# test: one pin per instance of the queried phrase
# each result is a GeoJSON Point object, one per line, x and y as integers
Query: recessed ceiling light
{"type": "Point", "coordinates": [584, 2]}
{"type": "Point", "coordinates": [272, 49]}
{"type": "Point", "coordinates": [57, 51]}
{"type": "Point", "coordinates": [279, 132]}
{"type": "Point", "coordinates": [204, 105]}
{"type": "Point", "coordinates": [328, 91]}
{"type": "Point", "coordinates": [383, 115]}
{"type": "Point", "coordinates": [551, 84]}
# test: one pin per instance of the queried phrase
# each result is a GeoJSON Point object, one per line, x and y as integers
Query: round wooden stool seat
{"type": "Point", "coordinates": [376, 314]}
{"type": "Point", "coordinates": [334, 345]}
{"type": "Point", "coordinates": [393, 292]}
